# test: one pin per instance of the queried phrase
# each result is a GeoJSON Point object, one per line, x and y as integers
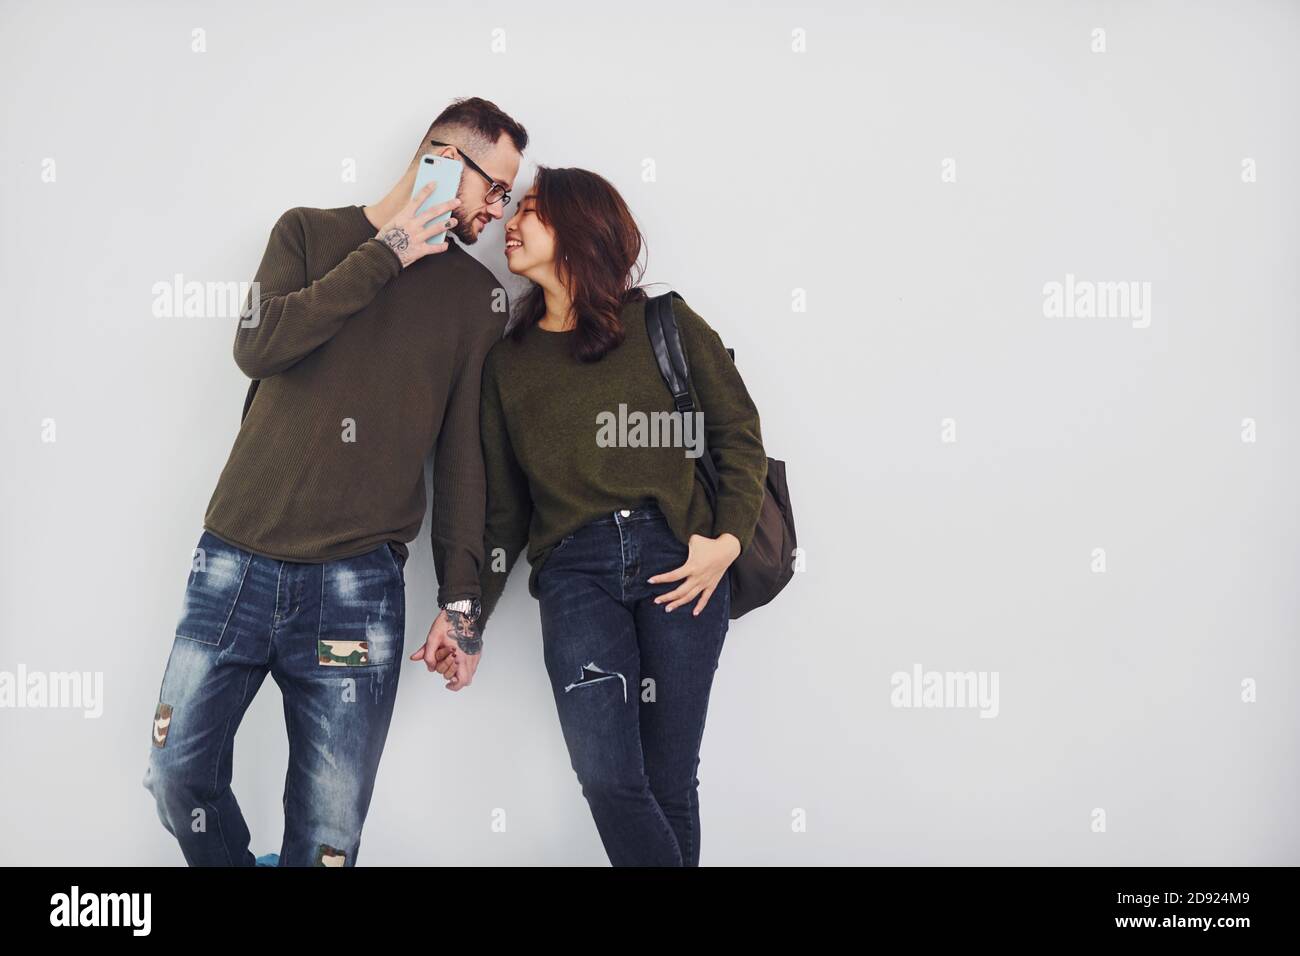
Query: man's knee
{"type": "Point", "coordinates": [175, 787]}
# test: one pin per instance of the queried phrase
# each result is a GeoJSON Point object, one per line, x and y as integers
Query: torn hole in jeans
{"type": "Point", "coordinates": [590, 674]}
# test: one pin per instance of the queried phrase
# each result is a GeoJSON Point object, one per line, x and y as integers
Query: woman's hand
{"type": "Point", "coordinates": [706, 563]}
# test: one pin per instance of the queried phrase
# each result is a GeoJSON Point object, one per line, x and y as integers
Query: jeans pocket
{"type": "Point", "coordinates": [216, 578]}
{"type": "Point", "coordinates": [399, 562]}
{"type": "Point", "coordinates": [551, 558]}
{"type": "Point", "coordinates": [363, 610]}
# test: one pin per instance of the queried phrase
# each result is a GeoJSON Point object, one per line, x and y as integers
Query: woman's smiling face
{"type": "Point", "coordinates": [530, 243]}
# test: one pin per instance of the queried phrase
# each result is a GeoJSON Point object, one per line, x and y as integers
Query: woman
{"type": "Point", "coordinates": [628, 559]}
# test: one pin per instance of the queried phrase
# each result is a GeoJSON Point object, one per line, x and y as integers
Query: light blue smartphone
{"type": "Point", "coordinates": [446, 173]}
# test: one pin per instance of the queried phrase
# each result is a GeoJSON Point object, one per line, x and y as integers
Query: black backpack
{"type": "Point", "coordinates": [767, 565]}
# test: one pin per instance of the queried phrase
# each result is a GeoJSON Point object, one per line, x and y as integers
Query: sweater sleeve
{"type": "Point", "coordinates": [294, 316]}
{"type": "Point", "coordinates": [459, 485]}
{"type": "Point", "coordinates": [509, 504]}
{"type": "Point", "coordinates": [731, 426]}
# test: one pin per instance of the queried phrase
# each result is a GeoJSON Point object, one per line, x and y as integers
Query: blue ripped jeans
{"type": "Point", "coordinates": [631, 682]}
{"type": "Point", "coordinates": [331, 636]}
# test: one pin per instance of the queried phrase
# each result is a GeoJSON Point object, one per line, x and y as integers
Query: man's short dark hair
{"type": "Point", "coordinates": [473, 124]}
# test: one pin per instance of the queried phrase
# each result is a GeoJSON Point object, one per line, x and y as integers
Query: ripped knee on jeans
{"type": "Point", "coordinates": [590, 674]}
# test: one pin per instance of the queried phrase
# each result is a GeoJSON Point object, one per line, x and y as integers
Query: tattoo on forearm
{"type": "Point", "coordinates": [396, 239]}
{"type": "Point", "coordinates": [465, 630]}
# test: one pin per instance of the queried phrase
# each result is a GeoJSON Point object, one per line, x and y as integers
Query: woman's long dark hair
{"type": "Point", "coordinates": [597, 248]}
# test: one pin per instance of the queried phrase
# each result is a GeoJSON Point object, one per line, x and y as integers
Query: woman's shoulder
{"type": "Point", "coordinates": [499, 355]}
{"type": "Point", "coordinates": [685, 314]}
{"type": "Point", "coordinates": [693, 326]}
{"type": "Point", "coordinates": [687, 318]}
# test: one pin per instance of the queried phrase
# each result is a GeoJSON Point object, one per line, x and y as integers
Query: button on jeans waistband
{"type": "Point", "coordinates": [647, 511]}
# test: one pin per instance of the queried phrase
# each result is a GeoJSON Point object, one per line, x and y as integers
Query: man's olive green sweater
{"type": "Point", "coordinates": [548, 419]}
{"type": "Point", "coordinates": [360, 369]}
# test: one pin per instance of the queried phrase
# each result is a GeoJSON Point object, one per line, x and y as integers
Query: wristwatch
{"type": "Point", "coordinates": [470, 607]}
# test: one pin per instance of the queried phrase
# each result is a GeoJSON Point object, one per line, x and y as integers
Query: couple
{"type": "Point", "coordinates": [370, 348]}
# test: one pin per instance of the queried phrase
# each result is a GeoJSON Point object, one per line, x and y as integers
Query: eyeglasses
{"type": "Point", "coordinates": [495, 189]}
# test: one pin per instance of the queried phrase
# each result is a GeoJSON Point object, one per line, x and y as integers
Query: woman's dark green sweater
{"type": "Point", "coordinates": [558, 450]}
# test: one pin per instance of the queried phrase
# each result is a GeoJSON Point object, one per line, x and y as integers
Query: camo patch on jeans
{"type": "Point", "coordinates": [162, 722]}
{"type": "Point", "coordinates": [343, 653]}
{"type": "Point", "coordinates": [328, 856]}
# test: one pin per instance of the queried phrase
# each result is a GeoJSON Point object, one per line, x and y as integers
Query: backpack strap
{"type": "Point", "coordinates": [666, 343]}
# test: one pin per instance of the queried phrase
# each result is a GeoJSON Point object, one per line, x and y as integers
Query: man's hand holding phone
{"type": "Point", "coordinates": [408, 232]}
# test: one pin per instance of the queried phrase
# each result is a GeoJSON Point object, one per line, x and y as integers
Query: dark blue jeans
{"type": "Point", "coordinates": [331, 635]}
{"type": "Point", "coordinates": [631, 682]}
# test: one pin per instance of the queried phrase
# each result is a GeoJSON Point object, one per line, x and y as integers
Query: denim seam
{"type": "Point", "coordinates": [391, 560]}
{"type": "Point", "coordinates": [659, 812]}
{"type": "Point", "coordinates": [248, 560]}
{"type": "Point", "coordinates": [216, 769]}
{"type": "Point", "coordinates": [284, 801]}
{"type": "Point", "coordinates": [275, 615]}
{"type": "Point", "coordinates": [320, 618]}
{"type": "Point", "coordinates": [699, 741]}
{"type": "Point", "coordinates": [654, 801]}
{"type": "Point", "coordinates": [692, 804]}
{"type": "Point", "coordinates": [622, 570]}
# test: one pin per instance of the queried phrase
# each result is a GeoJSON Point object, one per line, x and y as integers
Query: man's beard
{"type": "Point", "coordinates": [464, 231]}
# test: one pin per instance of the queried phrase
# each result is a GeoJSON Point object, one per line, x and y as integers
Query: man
{"type": "Point", "coordinates": [365, 350]}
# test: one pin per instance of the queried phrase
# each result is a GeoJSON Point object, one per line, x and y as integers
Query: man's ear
{"type": "Point", "coordinates": [449, 152]}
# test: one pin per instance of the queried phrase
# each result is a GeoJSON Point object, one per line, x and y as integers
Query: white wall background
{"type": "Point", "coordinates": [776, 171]}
